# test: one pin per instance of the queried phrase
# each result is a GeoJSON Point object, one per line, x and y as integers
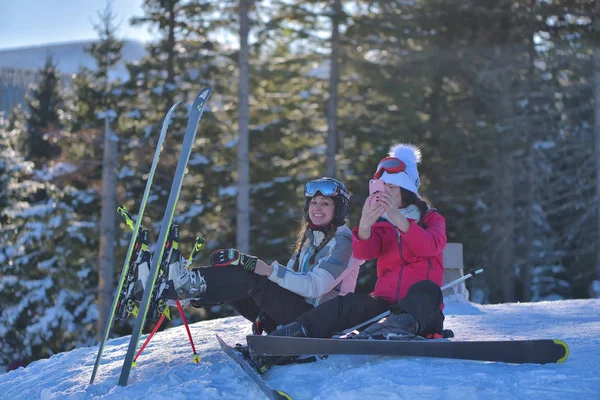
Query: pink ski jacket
{"type": "Point", "coordinates": [404, 258]}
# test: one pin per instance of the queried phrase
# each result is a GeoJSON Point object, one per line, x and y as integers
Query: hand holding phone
{"type": "Point", "coordinates": [375, 185]}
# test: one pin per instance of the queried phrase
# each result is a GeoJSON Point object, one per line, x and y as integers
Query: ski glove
{"type": "Point", "coordinates": [226, 257]}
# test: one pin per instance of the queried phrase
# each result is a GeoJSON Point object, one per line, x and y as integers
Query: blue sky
{"type": "Point", "coordinates": [36, 22]}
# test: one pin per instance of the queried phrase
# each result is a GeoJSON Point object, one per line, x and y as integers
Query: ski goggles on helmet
{"type": "Point", "coordinates": [391, 165]}
{"type": "Point", "coordinates": [327, 188]}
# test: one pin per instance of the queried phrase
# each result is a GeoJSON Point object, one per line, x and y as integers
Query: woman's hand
{"type": "Point", "coordinates": [370, 215]}
{"type": "Point", "coordinates": [389, 204]}
{"type": "Point", "coordinates": [263, 268]}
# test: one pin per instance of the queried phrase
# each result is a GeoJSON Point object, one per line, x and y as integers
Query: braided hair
{"type": "Point", "coordinates": [301, 237]}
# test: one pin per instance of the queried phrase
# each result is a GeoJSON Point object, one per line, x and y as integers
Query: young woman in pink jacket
{"type": "Point", "coordinates": [407, 237]}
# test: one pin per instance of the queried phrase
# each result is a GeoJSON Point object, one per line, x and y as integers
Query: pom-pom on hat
{"type": "Point", "coordinates": [410, 155]}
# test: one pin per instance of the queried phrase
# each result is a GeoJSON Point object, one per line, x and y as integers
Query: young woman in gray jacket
{"type": "Point", "coordinates": [320, 269]}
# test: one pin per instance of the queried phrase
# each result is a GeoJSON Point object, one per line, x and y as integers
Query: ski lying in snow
{"type": "Point", "coordinates": [510, 351]}
{"type": "Point", "coordinates": [249, 369]}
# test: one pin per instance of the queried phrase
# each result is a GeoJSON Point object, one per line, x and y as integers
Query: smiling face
{"type": "Point", "coordinates": [321, 210]}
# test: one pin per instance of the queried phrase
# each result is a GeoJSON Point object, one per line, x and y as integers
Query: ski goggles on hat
{"type": "Point", "coordinates": [326, 188]}
{"type": "Point", "coordinates": [391, 165]}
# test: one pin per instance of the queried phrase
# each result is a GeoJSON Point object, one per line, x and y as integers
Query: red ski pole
{"type": "Point", "coordinates": [160, 321]}
{"type": "Point", "coordinates": [196, 358]}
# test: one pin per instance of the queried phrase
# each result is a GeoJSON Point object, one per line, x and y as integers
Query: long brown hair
{"type": "Point", "coordinates": [301, 239]}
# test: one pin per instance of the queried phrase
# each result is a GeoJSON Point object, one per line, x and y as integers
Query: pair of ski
{"type": "Point", "coordinates": [540, 351]}
{"type": "Point", "coordinates": [196, 111]}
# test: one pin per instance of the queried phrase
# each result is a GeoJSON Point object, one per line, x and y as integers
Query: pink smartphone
{"type": "Point", "coordinates": [375, 185]}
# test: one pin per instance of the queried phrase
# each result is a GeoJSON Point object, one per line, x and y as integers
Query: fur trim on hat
{"type": "Point", "coordinates": [406, 152]}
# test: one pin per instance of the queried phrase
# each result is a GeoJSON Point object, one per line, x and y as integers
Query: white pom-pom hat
{"type": "Point", "coordinates": [408, 179]}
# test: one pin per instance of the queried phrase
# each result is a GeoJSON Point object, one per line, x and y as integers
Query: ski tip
{"type": "Point", "coordinates": [283, 395]}
{"type": "Point", "coordinates": [221, 341]}
{"type": "Point", "coordinates": [200, 100]}
{"type": "Point", "coordinates": [204, 93]}
{"type": "Point", "coordinates": [566, 347]}
{"type": "Point", "coordinates": [173, 107]}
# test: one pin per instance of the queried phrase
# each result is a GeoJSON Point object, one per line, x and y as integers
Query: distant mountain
{"type": "Point", "coordinates": [18, 66]}
{"type": "Point", "coordinates": [69, 57]}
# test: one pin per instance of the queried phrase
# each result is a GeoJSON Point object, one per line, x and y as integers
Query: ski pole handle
{"type": "Point", "coordinates": [125, 214]}
{"type": "Point", "coordinates": [197, 246]}
{"type": "Point", "coordinates": [472, 274]}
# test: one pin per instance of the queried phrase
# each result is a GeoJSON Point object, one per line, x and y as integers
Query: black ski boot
{"type": "Point", "coordinates": [175, 281]}
{"type": "Point", "coordinates": [293, 329]}
{"type": "Point", "coordinates": [395, 326]}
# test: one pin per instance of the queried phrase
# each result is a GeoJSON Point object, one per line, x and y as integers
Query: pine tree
{"type": "Point", "coordinates": [44, 124]}
{"type": "Point", "coordinates": [6, 149]}
{"type": "Point", "coordinates": [182, 61]}
{"type": "Point", "coordinates": [178, 64]}
{"type": "Point", "coordinates": [43, 268]}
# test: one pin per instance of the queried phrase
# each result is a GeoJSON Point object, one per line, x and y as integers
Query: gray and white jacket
{"type": "Point", "coordinates": [333, 273]}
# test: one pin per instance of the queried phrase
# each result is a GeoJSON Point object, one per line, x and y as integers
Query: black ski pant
{"type": "Point", "coordinates": [250, 294]}
{"type": "Point", "coordinates": [423, 302]}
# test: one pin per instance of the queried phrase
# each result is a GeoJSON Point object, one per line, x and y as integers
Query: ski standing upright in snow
{"type": "Point", "coordinates": [196, 111]}
{"type": "Point", "coordinates": [135, 239]}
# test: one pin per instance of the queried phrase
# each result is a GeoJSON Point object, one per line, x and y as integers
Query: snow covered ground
{"type": "Point", "coordinates": [165, 370]}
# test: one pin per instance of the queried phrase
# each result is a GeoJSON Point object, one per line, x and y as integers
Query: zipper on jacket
{"type": "Point", "coordinates": [400, 248]}
{"type": "Point", "coordinates": [401, 268]}
{"type": "Point", "coordinates": [429, 270]}
{"type": "Point", "coordinates": [399, 281]}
